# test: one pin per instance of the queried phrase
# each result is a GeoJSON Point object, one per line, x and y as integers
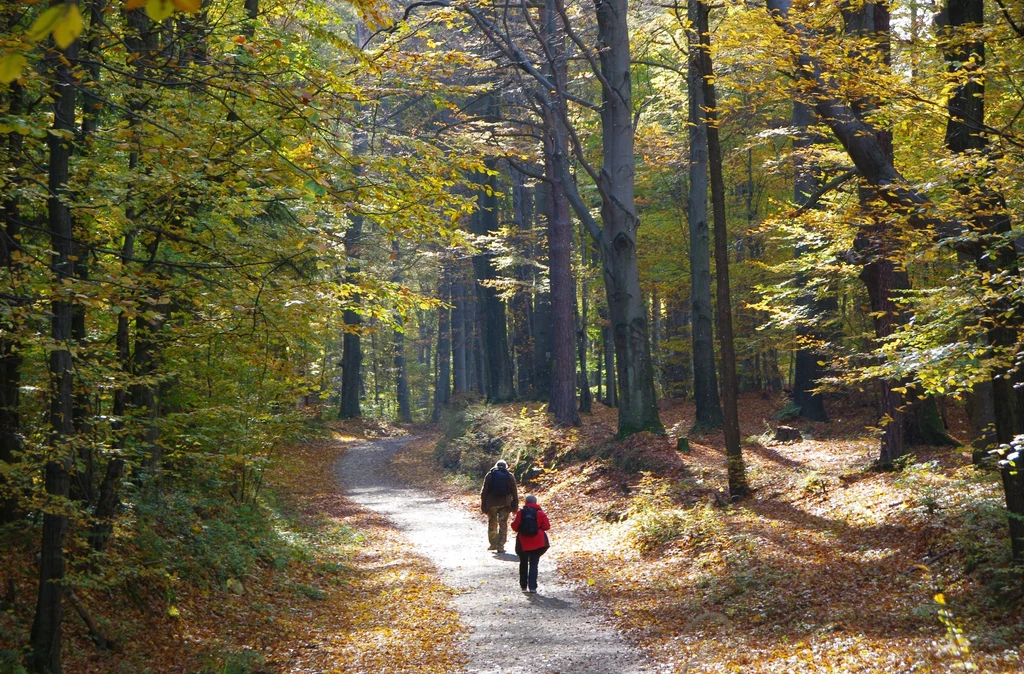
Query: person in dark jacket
{"type": "Point", "coordinates": [498, 499]}
{"type": "Point", "coordinates": [530, 547]}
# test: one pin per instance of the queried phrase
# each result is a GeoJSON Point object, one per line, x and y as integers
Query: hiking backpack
{"type": "Point", "coordinates": [500, 483]}
{"type": "Point", "coordinates": [528, 525]}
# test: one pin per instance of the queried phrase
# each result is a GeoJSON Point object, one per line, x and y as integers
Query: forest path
{"type": "Point", "coordinates": [511, 632]}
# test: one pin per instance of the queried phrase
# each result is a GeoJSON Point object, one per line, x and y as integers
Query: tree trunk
{"type": "Point", "coordinates": [582, 343]}
{"type": "Point", "coordinates": [656, 337]}
{"type": "Point", "coordinates": [730, 412]}
{"type": "Point", "coordinates": [352, 352]}
{"type": "Point", "coordinates": [460, 385]}
{"type": "Point", "coordinates": [995, 254]}
{"type": "Point", "coordinates": [480, 372]}
{"type": "Point", "coordinates": [542, 325]}
{"type": "Point", "coordinates": [610, 397]}
{"type": "Point", "coordinates": [46, 627]}
{"type": "Point", "coordinates": [705, 382]}
{"type": "Point", "coordinates": [884, 282]}
{"type": "Point", "coordinates": [677, 360]}
{"type": "Point", "coordinates": [810, 363]}
{"type": "Point", "coordinates": [401, 376]}
{"type": "Point", "coordinates": [442, 386]}
{"type": "Point", "coordinates": [10, 346]}
{"type": "Point", "coordinates": [1010, 469]}
{"type": "Point", "coordinates": [522, 313]}
{"type": "Point", "coordinates": [638, 410]}
{"type": "Point", "coordinates": [494, 335]}
{"type": "Point", "coordinates": [563, 304]}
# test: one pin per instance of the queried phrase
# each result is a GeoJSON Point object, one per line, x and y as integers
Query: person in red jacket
{"type": "Point", "coordinates": [530, 545]}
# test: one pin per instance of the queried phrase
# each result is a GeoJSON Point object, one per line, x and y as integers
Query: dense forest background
{"type": "Point", "coordinates": [226, 222]}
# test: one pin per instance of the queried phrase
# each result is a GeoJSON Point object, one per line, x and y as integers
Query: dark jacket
{"type": "Point", "coordinates": [538, 540]}
{"type": "Point", "coordinates": [489, 500]}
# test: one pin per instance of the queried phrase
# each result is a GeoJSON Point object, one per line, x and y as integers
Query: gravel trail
{"type": "Point", "coordinates": [511, 632]}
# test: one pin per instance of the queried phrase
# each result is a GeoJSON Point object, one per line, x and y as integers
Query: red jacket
{"type": "Point", "coordinates": [539, 539]}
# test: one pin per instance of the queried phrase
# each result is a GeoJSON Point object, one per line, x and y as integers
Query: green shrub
{"type": "Point", "coordinates": [655, 519]}
{"type": "Point", "coordinates": [477, 435]}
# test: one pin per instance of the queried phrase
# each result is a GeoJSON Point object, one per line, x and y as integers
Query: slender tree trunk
{"type": "Point", "coordinates": [656, 338]}
{"type": "Point", "coordinates": [522, 312]}
{"type": "Point", "coordinates": [542, 321]}
{"type": "Point", "coordinates": [730, 413]}
{"type": "Point", "coordinates": [500, 385]}
{"type": "Point", "coordinates": [459, 337]}
{"type": "Point", "coordinates": [582, 343]}
{"type": "Point", "coordinates": [676, 359]}
{"type": "Point", "coordinates": [480, 371]}
{"type": "Point", "coordinates": [638, 410]}
{"type": "Point", "coordinates": [610, 397]}
{"type": "Point", "coordinates": [705, 383]}
{"type": "Point", "coordinates": [401, 376]}
{"type": "Point", "coordinates": [442, 387]}
{"type": "Point", "coordinates": [46, 627]}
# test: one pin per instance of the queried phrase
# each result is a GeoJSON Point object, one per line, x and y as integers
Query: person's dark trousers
{"type": "Point", "coordinates": [528, 568]}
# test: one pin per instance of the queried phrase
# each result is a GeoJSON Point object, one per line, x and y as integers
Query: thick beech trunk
{"type": "Point", "coordinates": [638, 410]}
{"type": "Point", "coordinates": [562, 401]}
{"type": "Point", "coordinates": [809, 367]}
{"type": "Point", "coordinates": [563, 306]}
{"type": "Point", "coordinates": [730, 391]}
{"type": "Point", "coordinates": [705, 382]}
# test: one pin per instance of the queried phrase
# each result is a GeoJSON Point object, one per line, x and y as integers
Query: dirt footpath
{"type": "Point", "coordinates": [511, 632]}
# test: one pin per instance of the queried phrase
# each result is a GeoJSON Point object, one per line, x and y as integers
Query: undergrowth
{"type": "Point", "coordinates": [655, 518]}
{"type": "Point", "coordinates": [475, 435]}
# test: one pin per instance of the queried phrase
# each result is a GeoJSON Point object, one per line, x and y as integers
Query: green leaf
{"type": "Point", "coordinates": [46, 22]}
{"type": "Point", "coordinates": [68, 28]}
{"type": "Point", "coordinates": [158, 10]}
{"type": "Point", "coordinates": [11, 66]}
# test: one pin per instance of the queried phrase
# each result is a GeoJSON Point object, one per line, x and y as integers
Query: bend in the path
{"type": "Point", "coordinates": [511, 633]}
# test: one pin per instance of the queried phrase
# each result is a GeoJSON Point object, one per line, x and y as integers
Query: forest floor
{"type": "Point", "coordinates": [827, 566]}
{"type": "Point", "coordinates": [354, 596]}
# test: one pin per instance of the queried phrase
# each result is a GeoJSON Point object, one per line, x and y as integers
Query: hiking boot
{"type": "Point", "coordinates": [500, 551]}
{"type": "Point", "coordinates": [492, 546]}
{"type": "Point", "coordinates": [532, 590]}
{"type": "Point", "coordinates": [524, 589]}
